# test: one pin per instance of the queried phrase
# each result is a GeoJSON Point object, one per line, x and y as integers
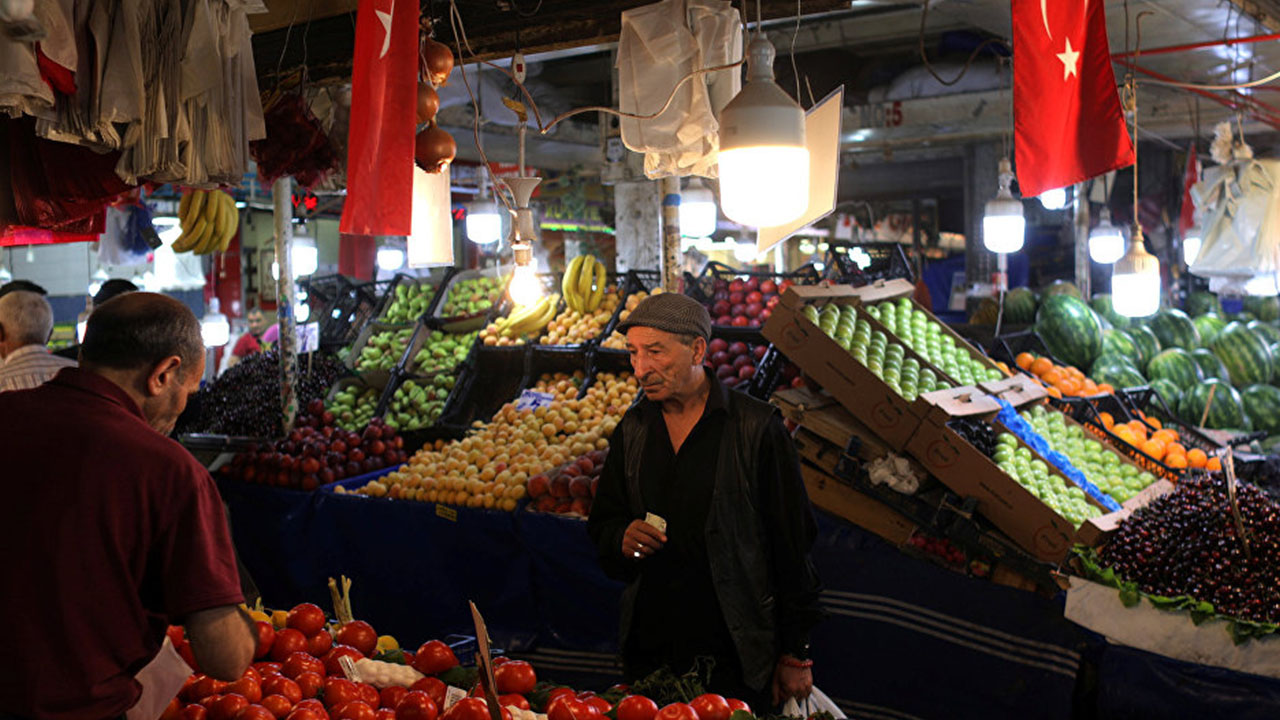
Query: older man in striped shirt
{"type": "Point", "coordinates": [26, 321]}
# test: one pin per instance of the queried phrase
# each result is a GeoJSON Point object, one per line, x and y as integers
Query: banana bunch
{"type": "Point", "coordinates": [209, 220]}
{"type": "Point", "coordinates": [527, 319]}
{"type": "Point", "coordinates": [583, 274]}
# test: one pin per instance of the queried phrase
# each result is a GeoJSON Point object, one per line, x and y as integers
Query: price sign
{"type": "Point", "coordinates": [532, 400]}
{"type": "Point", "coordinates": [308, 337]}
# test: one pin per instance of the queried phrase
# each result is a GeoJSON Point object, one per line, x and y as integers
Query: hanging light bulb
{"type": "Point", "coordinates": [304, 256]}
{"type": "Point", "coordinates": [167, 229]}
{"type": "Point", "coordinates": [698, 212]}
{"type": "Point", "coordinates": [1054, 199]}
{"type": "Point", "coordinates": [390, 257]}
{"type": "Point", "coordinates": [215, 329]}
{"type": "Point", "coordinates": [5, 275]}
{"type": "Point", "coordinates": [525, 288]}
{"type": "Point", "coordinates": [1135, 279]}
{"type": "Point", "coordinates": [1106, 241]}
{"type": "Point", "coordinates": [302, 311]}
{"type": "Point", "coordinates": [484, 222]}
{"type": "Point", "coordinates": [1191, 242]}
{"type": "Point", "coordinates": [764, 163]}
{"type": "Point", "coordinates": [95, 281]}
{"type": "Point", "coordinates": [1003, 225]}
{"type": "Point", "coordinates": [745, 251]}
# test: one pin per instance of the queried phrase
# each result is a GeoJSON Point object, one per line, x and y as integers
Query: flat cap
{"type": "Point", "coordinates": [672, 312]}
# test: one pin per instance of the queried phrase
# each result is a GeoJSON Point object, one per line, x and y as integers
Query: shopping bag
{"type": "Point", "coordinates": [816, 702]}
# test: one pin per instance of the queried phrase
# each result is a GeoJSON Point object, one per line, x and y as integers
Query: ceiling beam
{"type": "Point", "coordinates": [281, 14]}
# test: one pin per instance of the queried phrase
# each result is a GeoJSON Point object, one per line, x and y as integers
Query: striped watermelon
{"type": "Point", "coordinates": [1117, 375]}
{"type": "Point", "coordinates": [1227, 413]}
{"type": "Point", "coordinates": [1069, 329]}
{"type": "Point", "coordinates": [1175, 329]}
{"type": "Point", "coordinates": [1201, 302]}
{"type": "Point", "coordinates": [1168, 392]}
{"type": "Point", "coordinates": [1101, 304]}
{"type": "Point", "coordinates": [1275, 363]}
{"type": "Point", "coordinates": [1177, 366]}
{"type": "Point", "coordinates": [1210, 365]}
{"type": "Point", "coordinates": [1209, 325]}
{"type": "Point", "coordinates": [1059, 287]}
{"type": "Point", "coordinates": [1265, 308]}
{"type": "Point", "coordinates": [1268, 332]}
{"type": "Point", "coordinates": [1117, 342]}
{"type": "Point", "coordinates": [1146, 341]}
{"type": "Point", "coordinates": [1020, 306]}
{"type": "Point", "coordinates": [1262, 405]}
{"type": "Point", "coordinates": [1246, 356]}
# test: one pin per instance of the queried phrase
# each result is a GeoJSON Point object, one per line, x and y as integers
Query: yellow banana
{"type": "Point", "coordinates": [597, 295]}
{"type": "Point", "coordinates": [230, 221]}
{"type": "Point", "coordinates": [550, 313]}
{"type": "Point", "coordinates": [194, 209]}
{"type": "Point", "coordinates": [213, 210]}
{"type": "Point", "coordinates": [544, 310]}
{"type": "Point", "coordinates": [569, 283]}
{"type": "Point", "coordinates": [583, 291]}
{"type": "Point", "coordinates": [520, 316]}
{"type": "Point", "coordinates": [184, 205]}
{"type": "Point", "coordinates": [191, 239]}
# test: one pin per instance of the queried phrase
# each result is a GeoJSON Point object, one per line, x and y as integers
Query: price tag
{"type": "Point", "coordinates": [452, 695]}
{"type": "Point", "coordinates": [532, 400]}
{"type": "Point", "coordinates": [308, 337]}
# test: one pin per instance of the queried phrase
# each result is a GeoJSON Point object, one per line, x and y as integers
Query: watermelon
{"type": "Point", "coordinates": [1227, 412]}
{"type": "Point", "coordinates": [1268, 332]}
{"type": "Point", "coordinates": [987, 313]}
{"type": "Point", "coordinates": [1059, 287]}
{"type": "Point", "coordinates": [1246, 356]}
{"type": "Point", "coordinates": [1201, 302]}
{"type": "Point", "coordinates": [1177, 366]}
{"type": "Point", "coordinates": [1101, 304]}
{"type": "Point", "coordinates": [1118, 375]}
{"type": "Point", "coordinates": [1265, 308]}
{"type": "Point", "coordinates": [1146, 341]}
{"type": "Point", "coordinates": [1020, 306]}
{"type": "Point", "coordinates": [1262, 405]}
{"type": "Point", "coordinates": [1069, 329]}
{"type": "Point", "coordinates": [1117, 342]}
{"type": "Point", "coordinates": [1167, 391]}
{"type": "Point", "coordinates": [1210, 365]}
{"type": "Point", "coordinates": [1106, 361]}
{"type": "Point", "coordinates": [1209, 325]}
{"type": "Point", "coordinates": [1174, 329]}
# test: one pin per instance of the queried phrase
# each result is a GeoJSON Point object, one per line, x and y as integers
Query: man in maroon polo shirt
{"type": "Point", "coordinates": [109, 530]}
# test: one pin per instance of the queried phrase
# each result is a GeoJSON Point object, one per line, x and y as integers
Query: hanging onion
{"type": "Point", "coordinates": [434, 149]}
{"type": "Point", "coordinates": [439, 61]}
{"type": "Point", "coordinates": [428, 102]}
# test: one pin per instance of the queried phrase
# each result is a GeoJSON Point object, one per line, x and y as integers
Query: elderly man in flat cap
{"type": "Point", "coordinates": [701, 510]}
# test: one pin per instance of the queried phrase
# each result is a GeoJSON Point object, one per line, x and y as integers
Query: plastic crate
{"type": "Point", "coordinates": [344, 309]}
{"type": "Point", "coordinates": [400, 378]}
{"type": "Point", "coordinates": [771, 374]}
{"type": "Point", "coordinates": [883, 261]}
{"type": "Point", "coordinates": [703, 288]}
{"type": "Point", "coordinates": [636, 281]}
{"type": "Point", "coordinates": [473, 321]}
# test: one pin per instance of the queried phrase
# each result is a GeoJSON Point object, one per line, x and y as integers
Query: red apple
{"type": "Point", "coordinates": [754, 297]}
{"type": "Point", "coordinates": [719, 358]}
{"type": "Point", "coordinates": [768, 286]}
{"type": "Point", "coordinates": [740, 321]}
{"type": "Point", "coordinates": [736, 298]}
{"type": "Point", "coordinates": [759, 352]}
{"type": "Point", "coordinates": [738, 348]}
{"type": "Point", "coordinates": [720, 307]}
{"type": "Point", "coordinates": [754, 310]}
{"type": "Point", "coordinates": [741, 361]}
{"type": "Point", "coordinates": [736, 286]}
{"type": "Point", "coordinates": [717, 344]}
{"type": "Point", "coordinates": [725, 371]}
{"type": "Point", "coordinates": [724, 320]}
{"type": "Point", "coordinates": [738, 310]}
{"type": "Point", "coordinates": [746, 372]}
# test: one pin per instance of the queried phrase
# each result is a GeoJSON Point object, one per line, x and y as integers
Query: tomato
{"type": "Point", "coordinates": [203, 687]}
{"type": "Point", "coordinates": [417, 705]}
{"type": "Point", "coordinates": [636, 707]}
{"type": "Point", "coordinates": [209, 702]}
{"type": "Point", "coordinates": [711, 707]}
{"type": "Point", "coordinates": [194, 712]}
{"type": "Point", "coordinates": [320, 643]}
{"type": "Point", "coordinates": [598, 703]}
{"type": "Point", "coordinates": [390, 697]}
{"type": "Point", "coordinates": [281, 685]}
{"type": "Point", "coordinates": [306, 618]}
{"type": "Point", "coordinates": [300, 662]}
{"type": "Point", "coordinates": [369, 694]}
{"type": "Point", "coordinates": [571, 708]}
{"type": "Point", "coordinates": [736, 704]}
{"type": "Point", "coordinates": [501, 660]}
{"type": "Point", "coordinates": [433, 687]}
{"type": "Point", "coordinates": [677, 711]}
{"type": "Point", "coordinates": [359, 635]}
{"type": "Point", "coordinates": [384, 714]}
{"type": "Point", "coordinates": [310, 682]}
{"type": "Point", "coordinates": [339, 691]}
{"type": "Point", "coordinates": [266, 637]}
{"type": "Point", "coordinates": [557, 692]}
{"type": "Point", "coordinates": [305, 714]}
{"type": "Point", "coordinates": [331, 666]}
{"type": "Point", "coordinates": [513, 699]}
{"type": "Point", "coordinates": [255, 712]}
{"type": "Point", "coordinates": [314, 706]}
{"type": "Point", "coordinates": [248, 687]}
{"type": "Point", "coordinates": [467, 708]}
{"type": "Point", "coordinates": [279, 705]}
{"type": "Point", "coordinates": [173, 710]}
{"type": "Point", "coordinates": [434, 657]}
{"type": "Point", "coordinates": [228, 707]}
{"type": "Point", "coordinates": [267, 669]}
{"type": "Point", "coordinates": [354, 710]}
{"type": "Point", "coordinates": [288, 642]}
{"type": "Point", "coordinates": [516, 676]}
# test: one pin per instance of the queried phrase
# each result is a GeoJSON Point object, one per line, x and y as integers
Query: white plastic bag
{"type": "Point", "coordinates": [816, 702]}
{"type": "Point", "coordinates": [1240, 207]}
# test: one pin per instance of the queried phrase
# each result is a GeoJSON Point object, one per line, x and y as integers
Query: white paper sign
{"type": "Point", "coordinates": [308, 337]}
{"type": "Point", "coordinates": [532, 400]}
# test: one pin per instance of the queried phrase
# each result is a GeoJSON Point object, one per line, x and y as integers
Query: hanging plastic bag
{"type": "Point", "coordinates": [817, 702]}
{"type": "Point", "coordinates": [1240, 207]}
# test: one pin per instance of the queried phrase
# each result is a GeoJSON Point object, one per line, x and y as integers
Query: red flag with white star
{"type": "Point", "coordinates": [1187, 218]}
{"type": "Point", "coordinates": [384, 86]}
{"type": "Point", "coordinates": [1067, 118]}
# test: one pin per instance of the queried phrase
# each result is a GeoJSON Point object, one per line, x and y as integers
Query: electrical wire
{"type": "Point", "coordinates": [794, 70]}
{"type": "Point", "coordinates": [924, 57]}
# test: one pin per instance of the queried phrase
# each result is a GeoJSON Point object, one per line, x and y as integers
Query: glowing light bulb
{"type": "Point", "coordinates": [525, 288]}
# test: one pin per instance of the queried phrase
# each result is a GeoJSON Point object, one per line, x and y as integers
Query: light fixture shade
{"type": "Point", "coordinates": [698, 211]}
{"type": "Point", "coordinates": [304, 256]}
{"type": "Point", "coordinates": [1267, 285]}
{"type": "Point", "coordinates": [1135, 280]}
{"type": "Point", "coordinates": [431, 241]}
{"type": "Point", "coordinates": [1191, 244]}
{"type": "Point", "coordinates": [390, 258]}
{"type": "Point", "coordinates": [167, 228]}
{"type": "Point", "coordinates": [1003, 224]}
{"type": "Point", "coordinates": [484, 222]}
{"type": "Point", "coordinates": [745, 251]}
{"type": "Point", "coordinates": [1055, 199]}
{"type": "Point", "coordinates": [215, 329]}
{"type": "Point", "coordinates": [764, 163]}
{"type": "Point", "coordinates": [1106, 241]}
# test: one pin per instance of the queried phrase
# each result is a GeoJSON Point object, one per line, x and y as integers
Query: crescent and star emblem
{"type": "Point", "coordinates": [385, 19]}
{"type": "Point", "coordinates": [1069, 57]}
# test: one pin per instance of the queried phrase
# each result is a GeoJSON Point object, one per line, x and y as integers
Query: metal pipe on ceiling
{"type": "Point", "coordinates": [1199, 46]}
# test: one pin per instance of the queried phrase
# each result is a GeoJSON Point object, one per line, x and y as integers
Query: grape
{"type": "Point", "coordinates": [245, 400]}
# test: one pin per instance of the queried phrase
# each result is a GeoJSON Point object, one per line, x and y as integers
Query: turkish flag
{"type": "Point", "coordinates": [1067, 118]}
{"type": "Point", "coordinates": [1187, 218]}
{"type": "Point", "coordinates": [384, 87]}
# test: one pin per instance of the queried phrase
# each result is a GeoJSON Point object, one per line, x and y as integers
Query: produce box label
{"type": "Point", "coordinates": [532, 400]}
{"type": "Point", "coordinates": [446, 512]}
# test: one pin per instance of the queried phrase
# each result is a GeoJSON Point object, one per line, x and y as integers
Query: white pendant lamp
{"type": "Point", "coordinates": [484, 222]}
{"type": "Point", "coordinates": [1135, 280]}
{"type": "Point", "coordinates": [1106, 241]}
{"type": "Point", "coordinates": [390, 257]}
{"type": "Point", "coordinates": [305, 256]}
{"type": "Point", "coordinates": [764, 164]}
{"type": "Point", "coordinates": [1191, 243]}
{"type": "Point", "coordinates": [525, 287]}
{"type": "Point", "coordinates": [1003, 225]}
{"type": "Point", "coordinates": [698, 211]}
{"type": "Point", "coordinates": [1054, 199]}
{"type": "Point", "coordinates": [215, 329]}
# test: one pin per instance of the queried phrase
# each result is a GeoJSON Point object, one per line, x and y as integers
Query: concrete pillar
{"type": "Point", "coordinates": [1080, 240]}
{"type": "Point", "coordinates": [981, 182]}
{"type": "Point", "coordinates": [638, 225]}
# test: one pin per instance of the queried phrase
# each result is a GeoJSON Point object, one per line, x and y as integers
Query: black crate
{"type": "Point", "coordinates": [1006, 348]}
{"type": "Point", "coordinates": [702, 289]}
{"type": "Point", "coordinates": [887, 261]}
{"type": "Point", "coordinates": [636, 281]}
{"type": "Point", "coordinates": [341, 307]}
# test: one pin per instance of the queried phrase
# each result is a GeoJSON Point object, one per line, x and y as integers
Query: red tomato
{"type": "Point", "coordinates": [320, 643]}
{"type": "Point", "coordinates": [417, 705]}
{"type": "Point", "coordinates": [636, 707]}
{"type": "Point", "coordinates": [300, 662]}
{"type": "Point", "coordinates": [288, 642]}
{"type": "Point", "coordinates": [434, 657]}
{"type": "Point", "coordinates": [194, 712]}
{"type": "Point", "coordinates": [385, 714]}
{"type": "Point", "coordinates": [359, 635]}
{"type": "Point", "coordinates": [228, 707]}
{"type": "Point", "coordinates": [598, 703]}
{"type": "Point", "coordinates": [314, 706]}
{"type": "Point", "coordinates": [433, 687]}
{"type": "Point", "coordinates": [331, 666]}
{"type": "Point", "coordinates": [173, 710]}
{"type": "Point", "coordinates": [557, 692]}
{"type": "Point", "coordinates": [306, 714]}
{"type": "Point", "coordinates": [310, 683]}
{"type": "Point", "coordinates": [513, 699]}
{"type": "Point", "coordinates": [571, 708]}
{"type": "Point", "coordinates": [408, 657]}
{"type": "Point", "coordinates": [255, 712]}
{"type": "Point", "coordinates": [736, 704]}
{"type": "Point", "coordinates": [279, 705]}
{"type": "Point", "coordinates": [209, 702]}
{"type": "Point", "coordinates": [467, 709]}
{"type": "Point", "coordinates": [281, 685]}
{"type": "Point", "coordinates": [354, 710]}
{"type": "Point", "coordinates": [677, 711]}
{"type": "Point", "coordinates": [248, 687]}
{"type": "Point", "coordinates": [266, 637]}
{"type": "Point", "coordinates": [369, 694]}
{"type": "Point", "coordinates": [516, 676]}
{"type": "Point", "coordinates": [203, 687]}
{"type": "Point", "coordinates": [390, 697]}
{"type": "Point", "coordinates": [339, 691]}
{"type": "Point", "coordinates": [711, 707]}
{"type": "Point", "coordinates": [267, 669]}
{"type": "Point", "coordinates": [501, 660]}
{"type": "Point", "coordinates": [306, 618]}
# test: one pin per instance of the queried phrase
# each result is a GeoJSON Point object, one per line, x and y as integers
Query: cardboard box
{"type": "Point", "coordinates": [822, 415]}
{"type": "Point", "coordinates": [865, 396]}
{"type": "Point", "coordinates": [1095, 531]}
{"type": "Point", "coordinates": [839, 499]}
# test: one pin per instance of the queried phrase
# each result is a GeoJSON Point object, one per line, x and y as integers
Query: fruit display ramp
{"type": "Point", "coordinates": [406, 299]}
{"type": "Point", "coordinates": [469, 298]}
{"type": "Point", "coordinates": [741, 302]}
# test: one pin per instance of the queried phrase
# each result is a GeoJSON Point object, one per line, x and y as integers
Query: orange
{"type": "Point", "coordinates": [1153, 422]}
{"type": "Point", "coordinates": [1176, 449]}
{"type": "Point", "coordinates": [1040, 366]}
{"type": "Point", "coordinates": [1004, 368]}
{"type": "Point", "coordinates": [1164, 436]}
{"type": "Point", "coordinates": [1074, 372]}
{"type": "Point", "coordinates": [1175, 460]}
{"type": "Point", "coordinates": [1105, 388]}
{"type": "Point", "coordinates": [1089, 387]}
{"type": "Point", "coordinates": [1213, 463]}
{"type": "Point", "coordinates": [1053, 376]}
{"type": "Point", "coordinates": [1196, 458]}
{"type": "Point", "coordinates": [1108, 422]}
{"type": "Point", "coordinates": [1024, 360]}
{"type": "Point", "coordinates": [1054, 392]}
{"type": "Point", "coordinates": [1125, 433]}
{"type": "Point", "coordinates": [1069, 386]}
{"type": "Point", "coordinates": [1154, 448]}
{"type": "Point", "coordinates": [1138, 428]}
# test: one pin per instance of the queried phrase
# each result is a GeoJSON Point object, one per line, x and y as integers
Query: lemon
{"type": "Point", "coordinates": [386, 643]}
{"type": "Point", "coordinates": [280, 618]}
{"type": "Point", "coordinates": [259, 616]}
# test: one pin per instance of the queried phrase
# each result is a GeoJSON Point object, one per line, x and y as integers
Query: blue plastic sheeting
{"type": "Point", "coordinates": [938, 276]}
{"type": "Point", "coordinates": [1138, 684]}
{"type": "Point", "coordinates": [1012, 420]}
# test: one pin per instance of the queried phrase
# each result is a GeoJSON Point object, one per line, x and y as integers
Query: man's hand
{"type": "Point", "coordinates": [791, 682]}
{"type": "Point", "coordinates": [640, 540]}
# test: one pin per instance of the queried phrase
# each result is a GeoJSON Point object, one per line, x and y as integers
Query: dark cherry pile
{"type": "Point", "coordinates": [245, 400]}
{"type": "Point", "coordinates": [317, 453]}
{"type": "Point", "coordinates": [978, 433]}
{"type": "Point", "coordinates": [1186, 543]}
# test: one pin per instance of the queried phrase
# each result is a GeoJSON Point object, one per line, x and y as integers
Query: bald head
{"type": "Point", "coordinates": [139, 329]}
{"type": "Point", "coordinates": [25, 319]}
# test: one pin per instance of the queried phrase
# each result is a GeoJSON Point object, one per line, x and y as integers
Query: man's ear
{"type": "Point", "coordinates": [163, 375]}
{"type": "Point", "coordinates": [699, 350]}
